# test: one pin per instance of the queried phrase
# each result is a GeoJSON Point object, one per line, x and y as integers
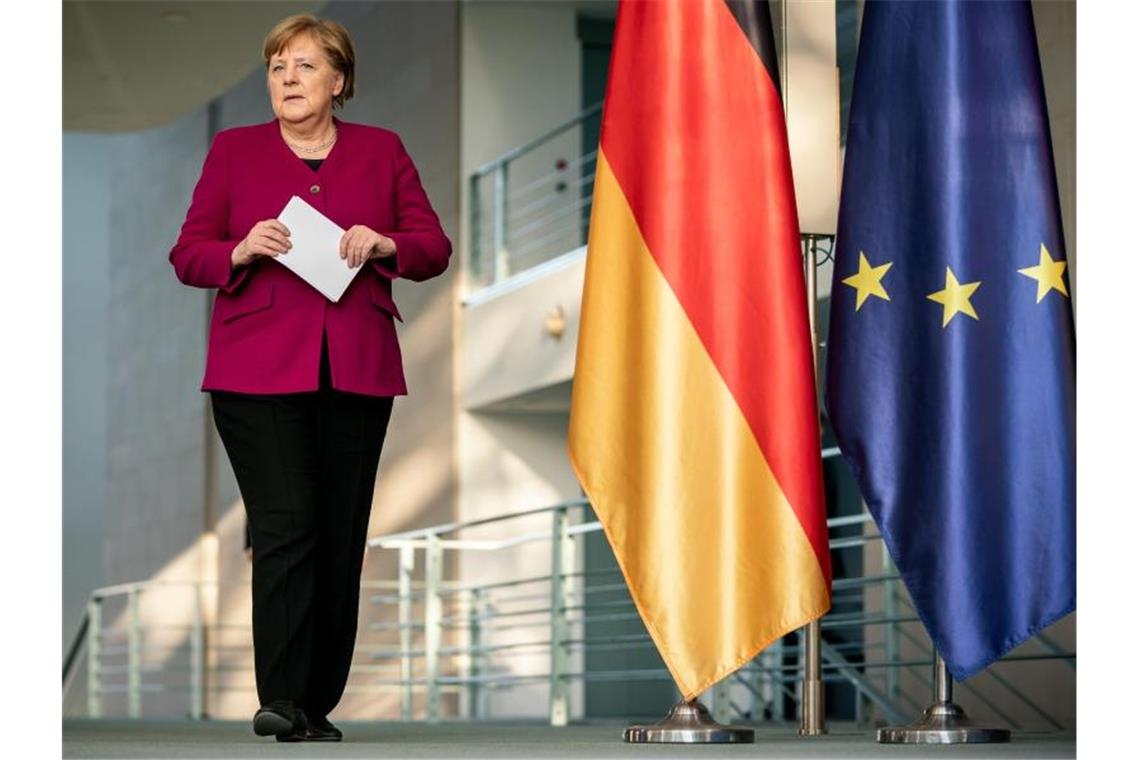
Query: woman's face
{"type": "Point", "coordinates": [302, 81]}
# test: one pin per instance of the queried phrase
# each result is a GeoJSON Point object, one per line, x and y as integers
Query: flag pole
{"type": "Point", "coordinates": [944, 722]}
{"type": "Point", "coordinates": [811, 694]}
{"type": "Point", "coordinates": [811, 685]}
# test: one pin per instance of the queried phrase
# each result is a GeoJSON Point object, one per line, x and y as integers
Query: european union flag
{"type": "Point", "coordinates": [951, 371]}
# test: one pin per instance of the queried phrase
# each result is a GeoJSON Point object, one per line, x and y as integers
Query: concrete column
{"type": "Point", "coordinates": [811, 103]}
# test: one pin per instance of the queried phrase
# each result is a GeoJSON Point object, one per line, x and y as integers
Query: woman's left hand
{"type": "Point", "coordinates": [360, 243]}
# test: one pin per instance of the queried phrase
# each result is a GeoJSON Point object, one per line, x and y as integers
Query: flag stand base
{"type": "Point", "coordinates": [943, 723]}
{"type": "Point", "coordinates": [688, 723]}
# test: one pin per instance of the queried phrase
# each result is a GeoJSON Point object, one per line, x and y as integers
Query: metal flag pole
{"type": "Point", "coordinates": [943, 722]}
{"type": "Point", "coordinates": [811, 685]}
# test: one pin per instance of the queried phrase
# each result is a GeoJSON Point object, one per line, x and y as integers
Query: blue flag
{"type": "Point", "coordinates": [951, 366]}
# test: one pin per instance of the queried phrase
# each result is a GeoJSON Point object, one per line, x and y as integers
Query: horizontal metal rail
{"type": "Point", "coordinates": [513, 154]}
{"type": "Point", "coordinates": [394, 540]}
{"type": "Point", "coordinates": [461, 649]}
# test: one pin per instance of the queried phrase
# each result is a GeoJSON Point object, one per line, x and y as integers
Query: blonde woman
{"type": "Point", "coordinates": [301, 387]}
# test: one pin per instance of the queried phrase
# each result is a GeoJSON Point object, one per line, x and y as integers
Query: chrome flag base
{"type": "Point", "coordinates": [688, 723]}
{"type": "Point", "coordinates": [943, 723]}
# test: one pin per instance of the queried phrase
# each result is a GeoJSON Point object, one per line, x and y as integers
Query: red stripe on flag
{"type": "Point", "coordinates": [694, 130]}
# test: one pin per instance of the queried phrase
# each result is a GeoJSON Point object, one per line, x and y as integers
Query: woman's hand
{"type": "Point", "coordinates": [359, 243]}
{"type": "Point", "coordinates": [268, 237]}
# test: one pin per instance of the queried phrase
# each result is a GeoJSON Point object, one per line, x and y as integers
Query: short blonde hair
{"type": "Point", "coordinates": [331, 36]}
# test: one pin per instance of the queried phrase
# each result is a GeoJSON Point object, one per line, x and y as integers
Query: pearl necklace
{"type": "Point", "coordinates": [317, 149]}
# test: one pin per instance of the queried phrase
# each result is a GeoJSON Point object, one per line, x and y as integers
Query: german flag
{"type": "Point", "coordinates": [693, 426]}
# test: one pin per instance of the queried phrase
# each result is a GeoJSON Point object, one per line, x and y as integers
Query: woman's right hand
{"type": "Point", "coordinates": [268, 237]}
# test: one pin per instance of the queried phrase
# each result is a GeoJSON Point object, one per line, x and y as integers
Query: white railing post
{"type": "Point", "coordinates": [197, 658]}
{"type": "Point", "coordinates": [769, 679]}
{"type": "Point", "coordinates": [475, 643]}
{"type": "Point", "coordinates": [722, 701]}
{"type": "Point", "coordinates": [502, 262]}
{"type": "Point", "coordinates": [407, 566]}
{"type": "Point", "coordinates": [433, 626]}
{"type": "Point", "coordinates": [891, 634]}
{"type": "Point", "coordinates": [134, 654]}
{"type": "Point", "coordinates": [94, 655]}
{"type": "Point", "coordinates": [478, 268]}
{"type": "Point", "coordinates": [561, 566]}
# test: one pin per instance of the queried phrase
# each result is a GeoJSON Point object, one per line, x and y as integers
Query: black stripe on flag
{"type": "Point", "coordinates": [755, 21]}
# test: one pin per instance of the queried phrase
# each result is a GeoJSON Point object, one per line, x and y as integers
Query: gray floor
{"type": "Point", "coordinates": [226, 739]}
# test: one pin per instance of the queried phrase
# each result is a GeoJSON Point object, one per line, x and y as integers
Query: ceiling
{"type": "Point", "coordinates": [135, 65]}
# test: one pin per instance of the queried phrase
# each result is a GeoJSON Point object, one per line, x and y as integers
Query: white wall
{"type": "Point", "coordinates": [85, 275]}
{"type": "Point", "coordinates": [157, 345]}
{"type": "Point", "coordinates": [512, 350]}
{"type": "Point", "coordinates": [811, 106]}
{"type": "Point", "coordinates": [156, 413]}
{"type": "Point", "coordinates": [521, 76]}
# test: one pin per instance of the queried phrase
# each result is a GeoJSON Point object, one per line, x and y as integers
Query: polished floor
{"type": "Point", "coordinates": [226, 739]}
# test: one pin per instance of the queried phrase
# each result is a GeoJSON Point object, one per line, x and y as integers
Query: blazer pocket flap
{"type": "Point", "coordinates": [248, 302]}
{"type": "Point", "coordinates": [382, 300]}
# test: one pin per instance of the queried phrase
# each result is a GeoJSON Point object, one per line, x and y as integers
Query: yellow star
{"type": "Point", "coordinates": [1048, 274]}
{"type": "Point", "coordinates": [955, 298]}
{"type": "Point", "coordinates": [868, 281]}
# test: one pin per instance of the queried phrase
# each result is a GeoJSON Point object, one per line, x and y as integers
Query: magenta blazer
{"type": "Point", "coordinates": [265, 331]}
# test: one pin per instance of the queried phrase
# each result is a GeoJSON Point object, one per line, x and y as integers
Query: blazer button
{"type": "Point", "coordinates": [315, 189]}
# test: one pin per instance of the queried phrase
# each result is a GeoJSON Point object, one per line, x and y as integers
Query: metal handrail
{"type": "Point", "coordinates": [579, 184]}
{"type": "Point", "coordinates": [394, 540]}
{"type": "Point", "coordinates": [73, 652]}
{"type": "Point", "coordinates": [458, 677]}
{"type": "Point", "coordinates": [567, 189]}
{"type": "Point", "coordinates": [470, 661]}
{"type": "Point", "coordinates": [545, 137]}
{"type": "Point", "coordinates": [453, 652]}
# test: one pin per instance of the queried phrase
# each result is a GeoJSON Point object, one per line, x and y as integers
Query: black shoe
{"type": "Point", "coordinates": [320, 730]}
{"type": "Point", "coordinates": [282, 719]}
{"type": "Point", "coordinates": [300, 728]}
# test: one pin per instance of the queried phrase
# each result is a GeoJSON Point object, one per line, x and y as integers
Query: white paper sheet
{"type": "Point", "coordinates": [315, 255]}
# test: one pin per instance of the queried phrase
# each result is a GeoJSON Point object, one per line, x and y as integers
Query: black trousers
{"type": "Point", "coordinates": [306, 467]}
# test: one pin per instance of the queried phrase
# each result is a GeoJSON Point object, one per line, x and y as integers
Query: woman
{"type": "Point", "coordinates": [302, 387]}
